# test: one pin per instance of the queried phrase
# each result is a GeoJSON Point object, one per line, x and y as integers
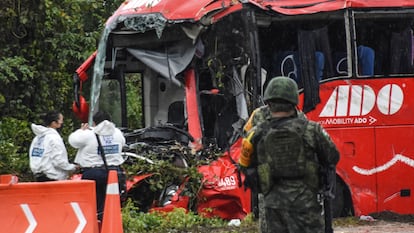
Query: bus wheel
{"type": "Point", "coordinates": [342, 203]}
{"type": "Point", "coordinates": [339, 200]}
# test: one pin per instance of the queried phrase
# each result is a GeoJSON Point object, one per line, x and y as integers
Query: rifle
{"type": "Point", "coordinates": [252, 181]}
{"type": "Point", "coordinates": [328, 194]}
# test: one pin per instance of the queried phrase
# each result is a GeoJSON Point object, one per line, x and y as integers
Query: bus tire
{"type": "Point", "coordinates": [342, 203]}
{"type": "Point", "coordinates": [338, 201]}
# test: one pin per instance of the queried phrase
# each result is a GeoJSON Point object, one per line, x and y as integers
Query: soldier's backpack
{"type": "Point", "coordinates": [283, 146]}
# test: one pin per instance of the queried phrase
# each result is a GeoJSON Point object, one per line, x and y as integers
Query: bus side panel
{"type": "Point", "coordinates": [357, 146]}
{"type": "Point", "coordinates": [364, 103]}
{"type": "Point", "coordinates": [371, 121]}
{"type": "Point", "coordinates": [395, 168]}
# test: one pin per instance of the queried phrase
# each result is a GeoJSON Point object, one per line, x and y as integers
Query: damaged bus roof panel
{"type": "Point", "coordinates": [289, 7]}
{"type": "Point", "coordinates": [172, 9]}
{"type": "Point", "coordinates": [195, 10]}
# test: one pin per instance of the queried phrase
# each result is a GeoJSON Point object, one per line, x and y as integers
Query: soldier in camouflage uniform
{"type": "Point", "coordinates": [291, 205]}
{"type": "Point", "coordinates": [258, 116]}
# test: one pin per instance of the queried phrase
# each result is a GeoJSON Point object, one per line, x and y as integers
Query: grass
{"type": "Point", "coordinates": [181, 221]}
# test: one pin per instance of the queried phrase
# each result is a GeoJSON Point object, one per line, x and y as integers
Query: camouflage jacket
{"type": "Point", "coordinates": [298, 194]}
{"type": "Point", "coordinates": [301, 194]}
{"type": "Point", "coordinates": [260, 115]}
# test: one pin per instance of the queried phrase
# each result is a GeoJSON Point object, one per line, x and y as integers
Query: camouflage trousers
{"type": "Point", "coordinates": [282, 221]}
{"type": "Point", "coordinates": [261, 210]}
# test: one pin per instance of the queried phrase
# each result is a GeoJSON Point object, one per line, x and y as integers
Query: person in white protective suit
{"type": "Point", "coordinates": [47, 155]}
{"type": "Point", "coordinates": [95, 165]}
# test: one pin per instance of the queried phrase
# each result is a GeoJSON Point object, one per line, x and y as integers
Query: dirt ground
{"type": "Point", "coordinates": [385, 222]}
{"type": "Point", "coordinates": [377, 227]}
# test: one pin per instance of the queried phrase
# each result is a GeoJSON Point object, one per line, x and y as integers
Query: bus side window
{"type": "Point", "coordinates": [337, 38]}
{"type": "Point", "coordinates": [315, 59]}
{"type": "Point", "coordinates": [367, 48]}
{"type": "Point", "coordinates": [285, 63]}
{"type": "Point", "coordinates": [314, 54]}
{"type": "Point", "coordinates": [308, 59]}
{"type": "Point", "coordinates": [366, 59]}
{"type": "Point", "coordinates": [284, 59]}
{"type": "Point", "coordinates": [340, 63]}
{"type": "Point", "coordinates": [387, 46]}
{"type": "Point", "coordinates": [401, 51]}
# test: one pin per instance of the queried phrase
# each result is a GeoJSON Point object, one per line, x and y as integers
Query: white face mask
{"type": "Point", "coordinates": [60, 128]}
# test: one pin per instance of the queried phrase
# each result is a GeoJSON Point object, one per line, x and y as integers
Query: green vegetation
{"type": "Point", "coordinates": [43, 42]}
{"type": "Point", "coordinates": [133, 86]}
{"type": "Point", "coordinates": [14, 146]}
{"type": "Point", "coordinates": [178, 220]}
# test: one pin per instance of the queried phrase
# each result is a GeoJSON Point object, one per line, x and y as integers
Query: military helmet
{"type": "Point", "coordinates": [282, 88]}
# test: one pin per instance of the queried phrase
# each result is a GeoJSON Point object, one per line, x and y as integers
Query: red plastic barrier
{"type": "Point", "coordinates": [45, 207]}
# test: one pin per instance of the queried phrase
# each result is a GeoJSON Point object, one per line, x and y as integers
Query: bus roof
{"type": "Point", "coordinates": [194, 10]}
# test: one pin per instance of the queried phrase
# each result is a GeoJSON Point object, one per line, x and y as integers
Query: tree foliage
{"type": "Point", "coordinates": [43, 42]}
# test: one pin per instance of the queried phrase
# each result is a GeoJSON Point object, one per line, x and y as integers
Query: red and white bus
{"type": "Point", "coordinates": [202, 66]}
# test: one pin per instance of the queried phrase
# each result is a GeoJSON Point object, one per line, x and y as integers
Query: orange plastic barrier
{"type": "Point", "coordinates": [46, 207]}
{"type": "Point", "coordinates": [112, 217]}
{"type": "Point", "coordinates": [8, 179]}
